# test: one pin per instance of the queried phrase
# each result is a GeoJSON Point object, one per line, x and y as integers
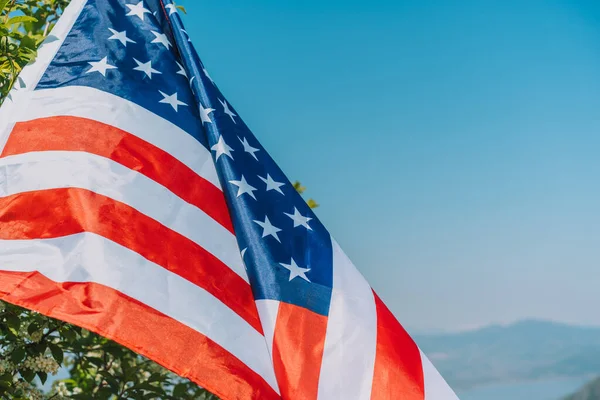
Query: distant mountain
{"type": "Point", "coordinates": [526, 350]}
{"type": "Point", "coordinates": [591, 391]}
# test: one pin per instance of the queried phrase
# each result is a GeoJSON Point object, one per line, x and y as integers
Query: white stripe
{"type": "Point", "coordinates": [87, 257]}
{"type": "Point", "coordinates": [267, 312]}
{"type": "Point", "coordinates": [33, 72]}
{"type": "Point", "coordinates": [350, 344]}
{"type": "Point", "coordinates": [94, 104]}
{"type": "Point", "coordinates": [5, 130]}
{"type": "Point", "coordinates": [436, 387]}
{"type": "Point", "coordinates": [62, 169]}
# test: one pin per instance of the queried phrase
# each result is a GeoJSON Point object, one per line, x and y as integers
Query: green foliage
{"type": "Point", "coordinates": [33, 348]}
{"type": "Point", "coordinates": [301, 189]}
{"type": "Point", "coordinates": [23, 26]}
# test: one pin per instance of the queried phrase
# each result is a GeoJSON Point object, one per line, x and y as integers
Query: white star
{"type": "Point", "coordinates": [222, 148]}
{"type": "Point", "coordinates": [161, 38]}
{"type": "Point", "coordinates": [244, 187]}
{"type": "Point", "coordinates": [181, 70]}
{"type": "Point", "coordinates": [100, 66]}
{"type": "Point", "coordinates": [269, 229]}
{"type": "Point", "coordinates": [295, 270]}
{"type": "Point", "coordinates": [146, 68]}
{"type": "Point", "coordinates": [299, 219]}
{"type": "Point", "coordinates": [248, 148]}
{"type": "Point", "coordinates": [172, 100]}
{"type": "Point", "coordinates": [271, 184]}
{"type": "Point", "coordinates": [120, 36]}
{"type": "Point", "coordinates": [172, 9]}
{"type": "Point", "coordinates": [204, 114]}
{"type": "Point", "coordinates": [186, 34]}
{"type": "Point", "coordinates": [207, 75]}
{"type": "Point", "coordinates": [227, 111]}
{"type": "Point", "coordinates": [137, 9]}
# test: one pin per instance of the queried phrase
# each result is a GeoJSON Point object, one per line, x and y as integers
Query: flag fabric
{"type": "Point", "coordinates": [136, 203]}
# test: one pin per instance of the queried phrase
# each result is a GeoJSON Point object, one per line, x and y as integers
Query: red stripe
{"type": "Point", "coordinates": [79, 134]}
{"type": "Point", "coordinates": [61, 212]}
{"type": "Point", "coordinates": [398, 370]}
{"type": "Point", "coordinates": [298, 351]}
{"type": "Point", "coordinates": [143, 329]}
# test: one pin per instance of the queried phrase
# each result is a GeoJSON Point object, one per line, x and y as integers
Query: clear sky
{"type": "Point", "coordinates": [453, 145]}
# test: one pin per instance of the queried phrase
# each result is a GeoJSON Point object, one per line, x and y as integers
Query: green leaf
{"type": "Point", "coordinates": [113, 350]}
{"type": "Point", "coordinates": [299, 188]}
{"type": "Point", "coordinates": [3, 4]}
{"type": "Point", "coordinates": [27, 374]}
{"type": "Point", "coordinates": [76, 329]}
{"type": "Point", "coordinates": [156, 377]}
{"type": "Point", "coordinates": [20, 19]}
{"type": "Point", "coordinates": [43, 376]}
{"type": "Point", "coordinates": [180, 390]}
{"type": "Point", "coordinates": [33, 327]}
{"type": "Point", "coordinates": [111, 380]}
{"type": "Point", "coordinates": [39, 348]}
{"type": "Point", "coordinates": [57, 353]}
{"type": "Point", "coordinates": [105, 393]}
{"type": "Point", "coordinates": [97, 361]}
{"type": "Point", "coordinates": [149, 387]}
{"type": "Point", "coordinates": [29, 42]}
{"type": "Point", "coordinates": [13, 321]}
{"type": "Point", "coordinates": [18, 355]}
{"type": "Point", "coordinates": [68, 334]}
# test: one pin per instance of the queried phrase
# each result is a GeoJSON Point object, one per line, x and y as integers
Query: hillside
{"type": "Point", "coordinates": [591, 391]}
{"type": "Point", "coordinates": [526, 350]}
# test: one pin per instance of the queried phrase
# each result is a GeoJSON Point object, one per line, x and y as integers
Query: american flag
{"type": "Point", "coordinates": [136, 203]}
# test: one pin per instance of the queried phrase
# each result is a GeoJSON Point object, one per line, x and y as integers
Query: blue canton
{"type": "Point", "coordinates": [140, 51]}
{"type": "Point", "coordinates": [120, 47]}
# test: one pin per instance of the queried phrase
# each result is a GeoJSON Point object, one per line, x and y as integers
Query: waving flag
{"type": "Point", "coordinates": [136, 203]}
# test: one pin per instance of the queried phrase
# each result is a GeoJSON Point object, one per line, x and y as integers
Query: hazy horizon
{"type": "Point", "coordinates": [473, 328]}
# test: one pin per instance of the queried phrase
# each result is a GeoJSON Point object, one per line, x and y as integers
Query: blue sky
{"type": "Point", "coordinates": [453, 146]}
